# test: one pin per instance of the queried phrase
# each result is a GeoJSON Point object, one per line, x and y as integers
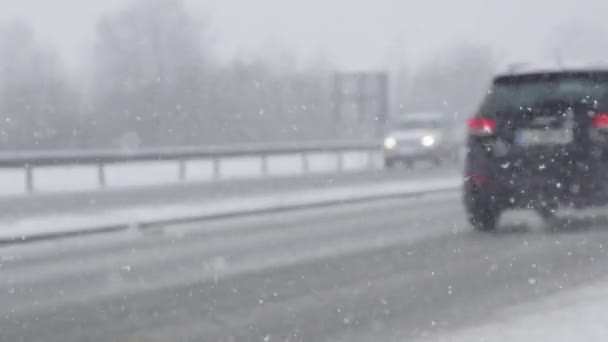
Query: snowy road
{"type": "Point", "coordinates": [380, 271]}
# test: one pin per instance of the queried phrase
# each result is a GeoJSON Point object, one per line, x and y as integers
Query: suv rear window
{"type": "Point", "coordinates": [511, 93]}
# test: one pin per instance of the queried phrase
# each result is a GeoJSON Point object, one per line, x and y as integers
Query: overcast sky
{"type": "Point", "coordinates": [350, 33]}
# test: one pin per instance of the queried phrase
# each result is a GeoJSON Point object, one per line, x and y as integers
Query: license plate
{"type": "Point", "coordinates": [532, 137]}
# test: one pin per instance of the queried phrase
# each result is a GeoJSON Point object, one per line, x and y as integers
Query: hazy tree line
{"type": "Point", "coordinates": [152, 83]}
{"type": "Point", "coordinates": [452, 82]}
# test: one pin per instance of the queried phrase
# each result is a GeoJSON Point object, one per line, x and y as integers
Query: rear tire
{"type": "Point", "coordinates": [484, 219]}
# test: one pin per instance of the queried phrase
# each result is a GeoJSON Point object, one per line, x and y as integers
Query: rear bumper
{"type": "Point", "coordinates": [530, 194]}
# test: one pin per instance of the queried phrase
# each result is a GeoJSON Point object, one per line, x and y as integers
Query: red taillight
{"type": "Point", "coordinates": [477, 179]}
{"type": "Point", "coordinates": [481, 126]}
{"type": "Point", "coordinates": [601, 121]}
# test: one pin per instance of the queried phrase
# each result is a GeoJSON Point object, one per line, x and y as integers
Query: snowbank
{"type": "Point", "coordinates": [574, 315]}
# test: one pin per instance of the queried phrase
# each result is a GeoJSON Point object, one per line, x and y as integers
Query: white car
{"type": "Point", "coordinates": [419, 136]}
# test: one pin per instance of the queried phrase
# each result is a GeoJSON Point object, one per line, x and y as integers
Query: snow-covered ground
{"type": "Point", "coordinates": [12, 181]}
{"type": "Point", "coordinates": [85, 178]}
{"type": "Point", "coordinates": [574, 315]}
{"type": "Point", "coordinates": [101, 220]}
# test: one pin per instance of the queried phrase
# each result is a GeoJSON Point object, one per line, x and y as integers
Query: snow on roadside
{"type": "Point", "coordinates": [60, 224]}
{"type": "Point", "coordinates": [574, 315]}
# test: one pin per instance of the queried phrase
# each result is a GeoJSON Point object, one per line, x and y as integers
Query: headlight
{"type": "Point", "coordinates": [390, 143]}
{"type": "Point", "coordinates": [427, 141]}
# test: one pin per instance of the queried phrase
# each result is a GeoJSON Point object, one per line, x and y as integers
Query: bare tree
{"type": "Point", "coordinates": [155, 86]}
{"type": "Point", "coordinates": [153, 83]}
{"type": "Point", "coordinates": [38, 106]}
{"type": "Point", "coordinates": [265, 103]}
{"type": "Point", "coordinates": [453, 81]}
{"type": "Point", "coordinates": [149, 73]}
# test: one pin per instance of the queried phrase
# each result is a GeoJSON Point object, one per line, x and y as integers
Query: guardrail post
{"type": "Point", "coordinates": [371, 162]}
{"type": "Point", "coordinates": [29, 178]}
{"type": "Point", "coordinates": [305, 166]}
{"type": "Point", "coordinates": [182, 170]}
{"type": "Point", "coordinates": [216, 168]}
{"type": "Point", "coordinates": [97, 160]}
{"type": "Point", "coordinates": [264, 165]}
{"type": "Point", "coordinates": [101, 175]}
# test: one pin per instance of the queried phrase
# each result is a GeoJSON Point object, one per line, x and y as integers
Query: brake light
{"type": "Point", "coordinates": [477, 179]}
{"type": "Point", "coordinates": [601, 121]}
{"type": "Point", "coordinates": [481, 126]}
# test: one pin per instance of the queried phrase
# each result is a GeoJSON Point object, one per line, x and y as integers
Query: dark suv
{"type": "Point", "coordinates": [539, 141]}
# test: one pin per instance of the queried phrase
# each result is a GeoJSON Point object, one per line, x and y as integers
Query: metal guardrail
{"type": "Point", "coordinates": [79, 157]}
{"type": "Point", "coordinates": [30, 160]}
